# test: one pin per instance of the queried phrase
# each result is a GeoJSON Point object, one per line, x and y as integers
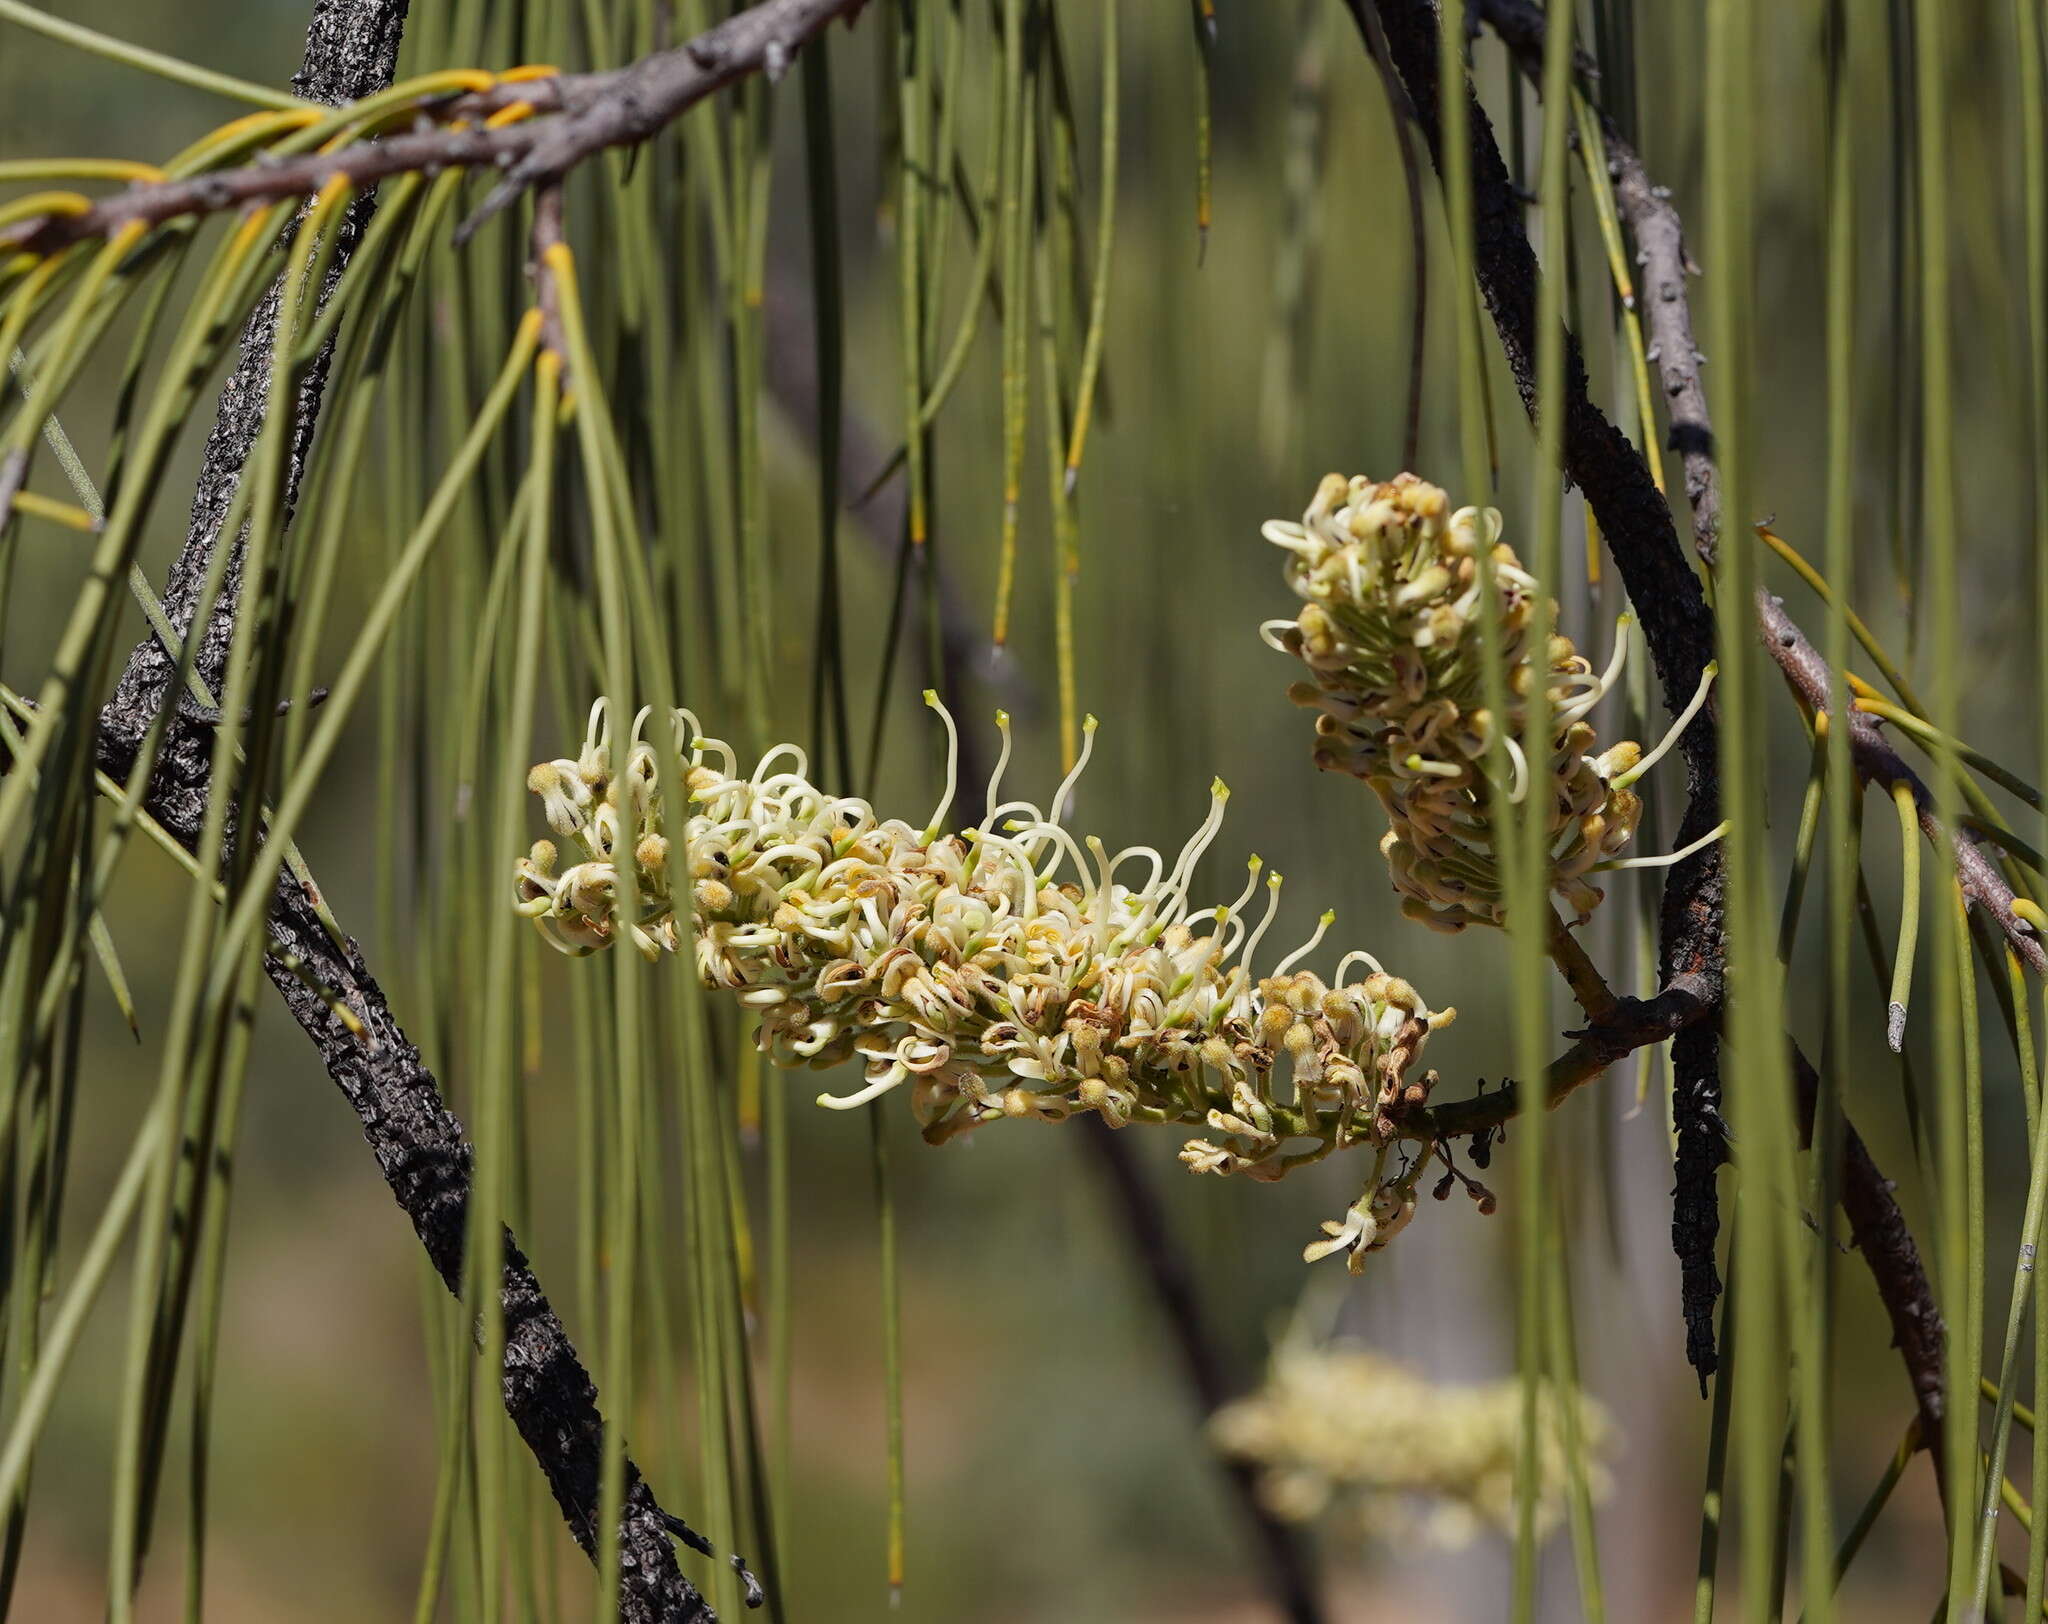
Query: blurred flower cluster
{"type": "Point", "coordinates": [1392, 632]}
{"type": "Point", "coordinates": [1007, 970]}
{"type": "Point", "coordinates": [1377, 1451]}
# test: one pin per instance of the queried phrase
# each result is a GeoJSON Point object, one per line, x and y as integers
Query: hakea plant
{"type": "Point", "coordinates": [1006, 970]}
{"type": "Point", "coordinates": [1373, 1449]}
{"type": "Point", "coordinates": [1392, 631]}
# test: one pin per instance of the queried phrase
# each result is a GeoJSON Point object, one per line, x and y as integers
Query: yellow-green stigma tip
{"type": "Point", "coordinates": [931, 697]}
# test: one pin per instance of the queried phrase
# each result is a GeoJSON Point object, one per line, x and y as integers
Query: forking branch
{"type": "Point", "coordinates": [1678, 626]}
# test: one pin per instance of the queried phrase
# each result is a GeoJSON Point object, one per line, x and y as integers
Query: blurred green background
{"type": "Point", "coordinates": [1056, 1469]}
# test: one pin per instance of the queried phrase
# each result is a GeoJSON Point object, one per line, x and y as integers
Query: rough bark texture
{"type": "Point", "coordinates": [1680, 630]}
{"type": "Point", "coordinates": [425, 1159]}
{"type": "Point", "coordinates": [1695, 1198]}
{"type": "Point", "coordinates": [419, 1144]}
{"type": "Point", "coordinates": [351, 50]}
{"type": "Point", "coordinates": [1666, 595]}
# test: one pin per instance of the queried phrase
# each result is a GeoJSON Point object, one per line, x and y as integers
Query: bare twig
{"type": "Point", "coordinates": [1876, 761]}
{"type": "Point", "coordinates": [1630, 1024]}
{"type": "Point", "coordinates": [1893, 1260]}
{"type": "Point", "coordinates": [582, 114]}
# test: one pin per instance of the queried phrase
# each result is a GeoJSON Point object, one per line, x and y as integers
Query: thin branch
{"type": "Point", "coordinates": [582, 115]}
{"type": "Point", "coordinates": [1885, 1241]}
{"type": "Point", "coordinates": [1630, 1024]}
{"type": "Point", "coordinates": [1876, 761]}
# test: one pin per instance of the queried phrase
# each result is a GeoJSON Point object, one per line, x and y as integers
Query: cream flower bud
{"type": "Point", "coordinates": [563, 813]}
{"type": "Point", "coordinates": [711, 897]}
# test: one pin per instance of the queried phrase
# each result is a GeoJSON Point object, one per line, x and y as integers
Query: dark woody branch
{"type": "Point", "coordinates": [1631, 1024]}
{"type": "Point", "coordinates": [1660, 237]}
{"type": "Point", "coordinates": [419, 1144]}
{"type": "Point", "coordinates": [1676, 621]}
{"type": "Point", "coordinates": [1639, 530]}
{"type": "Point", "coordinates": [1889, 1252]}
{"type": "Point", "coordinates": [1176, 1289]}
{"type": "Point", "coordinates": [1875, 1220]}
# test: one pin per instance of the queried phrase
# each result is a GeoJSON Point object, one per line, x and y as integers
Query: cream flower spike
{"type": "Point", "coordinates": [1391, 630]}
{"type": "Point", "coordinates": [1008, 970]}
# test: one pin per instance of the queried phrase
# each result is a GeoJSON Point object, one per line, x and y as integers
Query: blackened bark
{"type": "Point", "coordinates": [1695, 1199]}
{"type": "Point", "coordinates": [1662, 589]}
{"type": "Point", "coordinates": [424, 1157]}
{"type": "Point", "coordinates": [351, 51]}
